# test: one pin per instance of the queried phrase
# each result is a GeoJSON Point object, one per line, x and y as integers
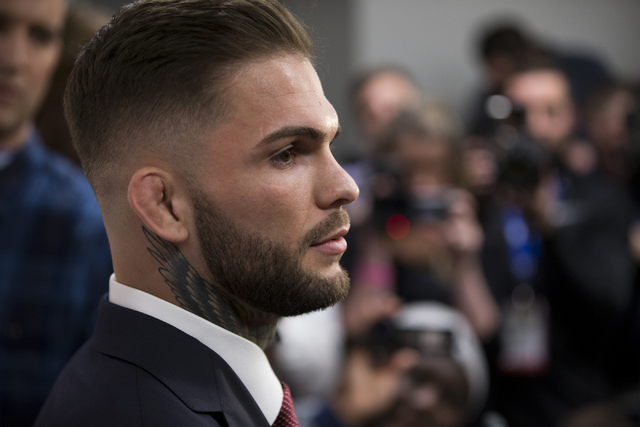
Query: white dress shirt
{"type": "Point", "coordinates": [246, 359]}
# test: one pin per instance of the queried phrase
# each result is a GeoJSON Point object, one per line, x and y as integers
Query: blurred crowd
{"type": "Point", "coordinates": [494, 263]}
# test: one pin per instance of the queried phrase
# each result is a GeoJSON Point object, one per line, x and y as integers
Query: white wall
{"type": "Point", "coordinates": [435, 38]}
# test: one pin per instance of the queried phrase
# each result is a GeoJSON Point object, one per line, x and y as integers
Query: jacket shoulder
{"type": "Point", "coordinates": [104, 391]}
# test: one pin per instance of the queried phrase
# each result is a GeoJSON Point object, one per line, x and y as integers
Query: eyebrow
{"type": "Point", "coordinates": [289, 131]}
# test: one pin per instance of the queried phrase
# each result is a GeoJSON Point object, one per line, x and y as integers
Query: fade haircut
{"type": "Point", "coordinates": [154, 77]}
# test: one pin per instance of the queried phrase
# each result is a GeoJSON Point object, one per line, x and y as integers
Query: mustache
{"type": "Point", "coordinates": [335, 220]}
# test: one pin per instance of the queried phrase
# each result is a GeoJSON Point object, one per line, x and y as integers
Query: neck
{"type": "Point", "coordinates": [205, 299]}
{"type": "Point", "coordinates": [15, 139]}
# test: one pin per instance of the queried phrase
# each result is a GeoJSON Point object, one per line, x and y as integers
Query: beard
{"type": "Point", "coordinates": [267, 275]}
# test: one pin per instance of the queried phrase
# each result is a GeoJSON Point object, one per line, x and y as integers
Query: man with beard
{"type": "Point", "coordinates": [204, 131]}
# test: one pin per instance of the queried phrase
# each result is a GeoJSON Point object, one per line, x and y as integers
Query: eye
{"type": "Point", "coordinates": [284, 157]}
{"type": "Point", "coordinates": [42, 36]}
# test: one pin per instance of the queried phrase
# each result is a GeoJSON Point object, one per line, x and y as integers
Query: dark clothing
{"type": "Point", "coordinates": [139, 371]}
{"type": "Point", "coordinates": [585, 72]}
{"type": "Point", "coordinates": [54, 264]}
{"type": "Point", "coordinates": [585, 272]}
{"type": "Point", "coordinates": [416, 283]}
{"type": "Point", "coordinates": [326, 417]}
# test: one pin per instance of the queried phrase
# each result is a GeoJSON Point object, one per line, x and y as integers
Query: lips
{"type": "Point", "coordinates": [341, 232]}
{"type": "Point", "coordinates": [334, 244]}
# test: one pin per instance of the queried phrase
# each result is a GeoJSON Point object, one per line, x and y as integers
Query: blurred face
{"type": "Point", "coordinates": [269, 204]}
{"type": "Point", "coordinates": [426, 168]}
{"type": "Point", "coordinates": [546, 98]}
{"type": "Point", "coordinates": [427, 164]}
{"type": "Point", "coordinates": [608, 124]}
{"type": "Point", "coordinates": [433, 394]}
{"type": "Point", "coordinates": [30, 43]}
{"type": "Point", "coordinates": [381, 100]}
{"type": "Point", "coordinates": [480, 169]}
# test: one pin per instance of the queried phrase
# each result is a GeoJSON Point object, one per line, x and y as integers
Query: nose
{"type": "Point", "coordinates": [13, 49]}
{"type": "Point", "coordinates": [336, 187]}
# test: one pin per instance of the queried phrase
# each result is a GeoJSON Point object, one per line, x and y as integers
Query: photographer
{"type": "Point", "coordinates": [564, 227]}
{"type": "Point", "coordinates": [423, 367]}
{"type": "Point", "coordinates": [424, 227]}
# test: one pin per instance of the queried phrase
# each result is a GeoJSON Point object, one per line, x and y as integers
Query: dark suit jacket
{"type": "Point", "coordinates": [139, 371]}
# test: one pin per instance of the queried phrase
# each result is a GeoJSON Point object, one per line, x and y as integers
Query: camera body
{"type": "Point", "coordinates": [522, 163]}
{"type": "Point", "coordinates": [385, 338]}
{"type": "Point", "coordinates": [521, 158]}
{"type": "Point", "coordinates": [392, 195]}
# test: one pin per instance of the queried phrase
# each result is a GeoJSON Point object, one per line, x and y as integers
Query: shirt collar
{"type": "Point", "coordinates": [245, 358]}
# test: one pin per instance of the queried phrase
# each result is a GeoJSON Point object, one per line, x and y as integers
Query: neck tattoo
{"type": "Point", "coordinates": [204, 299]}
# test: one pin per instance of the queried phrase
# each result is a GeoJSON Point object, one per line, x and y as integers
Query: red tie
{"type": "Point", "coordinates": [286, 417]}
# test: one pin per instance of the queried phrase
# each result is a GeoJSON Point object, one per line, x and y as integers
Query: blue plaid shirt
{"type": "Point", "coordinates": [54, 266]}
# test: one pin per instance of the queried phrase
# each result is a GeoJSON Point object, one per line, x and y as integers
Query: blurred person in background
{"type": "Point", "coordinates": [82, 22]}
{"type": "Point", "coordinates": [422, 244]}
{"type": "Point", "coordinates": [54, 254]}
{"type": "Point", "coordinates": [505, 47]}
{"type": "Point", "coordinates": [378, 97]}
{"type": "Point", "coordinates": [500, 49]}
{"type": "Point", "coordinates": [613, 124]}
{"type": "Point", "coordinates": [424, 237]}
{"type": "Point", "coordinates": [612, 116]}
{"type": "Point", "coordinates": [564, 229]}
{"type": "Point", "coordinates": [421, 367]}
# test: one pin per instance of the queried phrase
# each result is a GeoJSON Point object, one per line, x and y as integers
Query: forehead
{"type": "Point", "coordinates": [387, 86]}
{"type": "Point", "coordinates": [49, 13]}
{"type": "Point", "coordinates": [539, 86]}
{"type": "Point", "coordinates": [281, 91]}
{"type": "Point", "coordinates": [417, 149]}
{"type": "Point", "coordinates": [275, 76]}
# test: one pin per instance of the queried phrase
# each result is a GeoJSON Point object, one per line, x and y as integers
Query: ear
{"type": "Point", "coordinates": [160, 203]}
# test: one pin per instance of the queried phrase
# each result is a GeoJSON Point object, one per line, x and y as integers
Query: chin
{"type": "Point", "coordinates": [320, 263]}
{"type": "Point", "coordinates": [328, 272]}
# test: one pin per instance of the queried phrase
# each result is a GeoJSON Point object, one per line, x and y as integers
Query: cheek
{"type": "Point", "coordinates": [276, 207]}
{"type": "Point", "coordinates": [41, 71]}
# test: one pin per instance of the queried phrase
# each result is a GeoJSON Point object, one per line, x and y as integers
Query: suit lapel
{"type": "Point", "coordinates": [193, 372]}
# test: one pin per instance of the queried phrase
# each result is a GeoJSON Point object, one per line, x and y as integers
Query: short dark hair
{"type": "Point", "coordinates": [505, 39]}
{"type": "Point", "coordinates": [154, 77]}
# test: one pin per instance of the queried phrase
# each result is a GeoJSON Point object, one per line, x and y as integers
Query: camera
{"type": "Point", "coordinates": [521, 158]}
{"type": "Point", "coordinates": [385, 338]}
{"type": "Point", "coordinates": [522, 163]}
{"type": "Point", "coordinates": [392, 196]}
